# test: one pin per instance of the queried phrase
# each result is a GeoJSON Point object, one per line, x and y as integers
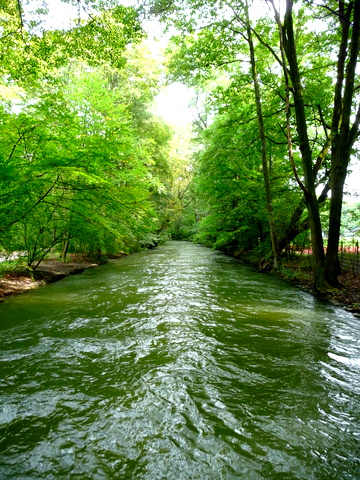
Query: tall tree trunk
{"type": "Point", "coordinates": [65, 248]}
{"type": "Point", "coordinates": [305, 150]}
{"type": "Point", "coordinates": [343, 136]}
{"type": "Point", "coordinates": [264, 159]}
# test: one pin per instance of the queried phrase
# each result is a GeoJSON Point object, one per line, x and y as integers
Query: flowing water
{"type": "Point", "coordinates": [178, 363]}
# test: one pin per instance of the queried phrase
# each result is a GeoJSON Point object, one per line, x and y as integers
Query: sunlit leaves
{"type": "Point", "coordinates": [29, 49]}
{"type": "Point", "coordinates": [79, 163]}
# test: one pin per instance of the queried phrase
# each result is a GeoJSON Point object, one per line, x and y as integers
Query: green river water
{"type": "Point", "coordinates": [177, 363]}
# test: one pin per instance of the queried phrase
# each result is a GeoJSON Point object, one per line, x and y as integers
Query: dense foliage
{"type": "Point", "coordinates": [83, 162]}
{"type": "Point", "coordinates": [283, 91]}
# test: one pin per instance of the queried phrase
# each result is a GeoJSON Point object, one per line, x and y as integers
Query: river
{"type": "Point", "coordinates": [177, 363]}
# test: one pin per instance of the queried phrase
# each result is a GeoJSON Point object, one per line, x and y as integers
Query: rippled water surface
{"type": "Point", "coordinates": [177, 363]}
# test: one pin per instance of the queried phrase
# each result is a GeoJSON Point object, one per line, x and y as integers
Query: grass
{"type": "Point", "coordinates": [11, 266]}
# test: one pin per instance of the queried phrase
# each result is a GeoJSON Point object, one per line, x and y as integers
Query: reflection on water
{"type": "Point", "coordinates": [177, 363]}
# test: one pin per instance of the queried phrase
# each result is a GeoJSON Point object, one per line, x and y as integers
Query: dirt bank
{"type": "Point", "coordinates": [299, 273]}
{"type": "Point", "coordinates": [348, 296]}
{"type": "Point", "coordinates": [50, 270]}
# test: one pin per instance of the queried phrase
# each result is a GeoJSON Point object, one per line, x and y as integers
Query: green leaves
{"type": "Point", "coordinates": [83, 161]}
{"type": "Point", "coordinates": [104, 37]}
{"type": "Point", "coordinates": [29, 50]}
{"type": "Point", "coordinates": [212, 53]}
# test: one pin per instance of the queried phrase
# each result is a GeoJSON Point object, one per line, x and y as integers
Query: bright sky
{"type": "Point", "coordinates": [353, 182]}
{"type": "Point", "coordinates": [172, 104]}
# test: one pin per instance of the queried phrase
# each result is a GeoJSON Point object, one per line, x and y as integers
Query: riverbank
{"type": "Point", "coordinates": [297, 271]}
{"type": "Point", "coordinates": [20, 280]}
{"type": "Point", "coordinates": [348, 296]}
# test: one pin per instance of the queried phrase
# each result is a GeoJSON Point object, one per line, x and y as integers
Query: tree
{"type": "Point", "coordinates": [193, 61]}
{"type": "Point", "coordinates": [181, 212]}
{"type": "Point", "coordinates": [82, 162]}
{"type": "Point", "coordinates": [309, 185]}
{"type": "Point", "coordinates": [29, 49]}
{"type": "Point", "coordinates": [264, 159]}
{"type": "Point", "coordinates": [341, 137]}
{"type": "Point", "coordinates": [211, 39]}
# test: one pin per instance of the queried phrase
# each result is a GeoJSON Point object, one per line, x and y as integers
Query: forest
{"type": "Point", "coordinates": [86, 166]}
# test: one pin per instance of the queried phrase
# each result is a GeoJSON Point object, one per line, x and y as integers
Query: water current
{"type": "Point", "coordinates": [177, 363]}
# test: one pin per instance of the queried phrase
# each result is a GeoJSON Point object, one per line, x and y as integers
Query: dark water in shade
{"type": "Point", "coordinates": [179, 363]}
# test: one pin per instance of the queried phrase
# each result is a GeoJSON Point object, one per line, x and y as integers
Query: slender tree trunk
{"type": "Point", "coordinates": [264, 159]}
{"type": "Point", "coordinates": [65, 248]}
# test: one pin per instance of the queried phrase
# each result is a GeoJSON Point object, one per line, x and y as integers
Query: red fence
{"type": "Point", "coordinates": [349, 257]}
{"type": "Point", "coordinates": [349, 254]}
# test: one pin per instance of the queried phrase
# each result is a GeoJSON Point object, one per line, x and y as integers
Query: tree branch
{"type": "Point", "coordinates": [321, 156]}
{"type": "Point", "coordinates": [20, 10]}
{"type": "Point", "coordinates": [39, 200]}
